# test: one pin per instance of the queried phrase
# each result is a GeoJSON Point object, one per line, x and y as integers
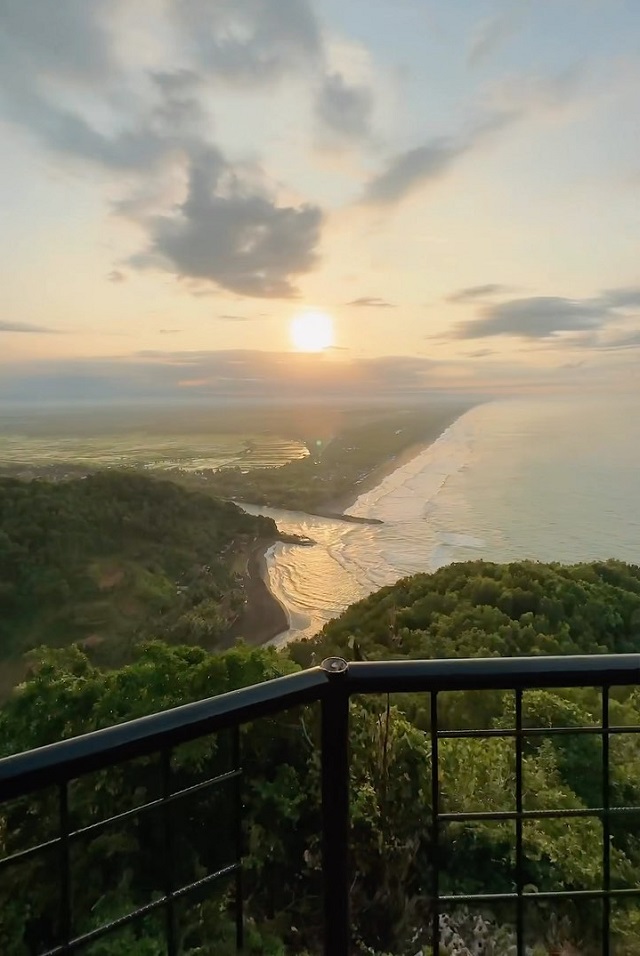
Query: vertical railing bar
{"type": "Point", "coordinates": [169, 855]}
{"type": "Point", "coordinates": [237, 787]}
{"type": "Point", "coordinates": [435, 827]}
{"type": "Point", "coordinates": [606, 825]}
{"type": "Point", "coordinates": [519, 809]}
{"type": "Point", "coordinates": [65, 866]}
{"type": "Point", "coordinates": [335, 808]}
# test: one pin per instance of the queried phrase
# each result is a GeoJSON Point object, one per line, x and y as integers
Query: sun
{"type": "Point", "coordinates": [312, 331]}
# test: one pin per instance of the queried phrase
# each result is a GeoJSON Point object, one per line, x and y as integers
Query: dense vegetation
{"type": "Point", "coordinates": [335, 466]}
{"type": "Point", "coordinates": [471, 609]}
{"type": "Point", "coordinates": [115, 557]}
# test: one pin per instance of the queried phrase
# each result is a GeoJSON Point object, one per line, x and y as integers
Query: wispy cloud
{"type": "Point", "coordinates": [474, 293]}
{"type": "Point", "coordinates": [27, 328]}
{"type": "Point", "coordinates": [371, 302]}
{"type": "Point", "coordinates": [116, 276]}
{"type": "Point", "coordinates": [410, 170]}
{"type": "Point", "coordinates": [413, 168]}
{"type": "Point", "coordinates": [492, 33]}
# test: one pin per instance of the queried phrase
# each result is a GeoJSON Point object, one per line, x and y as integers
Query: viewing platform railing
{"type": "Point", "coordinates": [332, 685]}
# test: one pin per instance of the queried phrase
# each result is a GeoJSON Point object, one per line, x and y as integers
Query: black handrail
{"type": "Point", "coordinates": [77, 756]}
{"type": "Point", "coordinates": [333, 684]}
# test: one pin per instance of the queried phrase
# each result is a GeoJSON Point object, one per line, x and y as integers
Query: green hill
{"type": "Point", "coordinates": [468, 609]}
{"type": "Point", "coordinates": [117, 556]}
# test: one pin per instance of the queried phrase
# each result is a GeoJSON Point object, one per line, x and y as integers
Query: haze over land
{"type": "Point", "coordinates": [453, 185]}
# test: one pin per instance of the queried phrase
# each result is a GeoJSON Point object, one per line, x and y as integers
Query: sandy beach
{"type": "Point", "coordinates": [440, 422]}
{"type": "Point", "coordinates": [265, 616]}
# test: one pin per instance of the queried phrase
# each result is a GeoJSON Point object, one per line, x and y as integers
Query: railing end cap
{"type": "Point", "coordinates": [334, 666]}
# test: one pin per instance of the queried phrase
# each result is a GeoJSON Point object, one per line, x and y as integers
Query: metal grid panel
{"type": "Point", "coordinates": [333, 684]}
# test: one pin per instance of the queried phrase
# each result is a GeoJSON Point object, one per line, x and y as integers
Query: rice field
{"type": "Point", "coordinates": [189, 453]}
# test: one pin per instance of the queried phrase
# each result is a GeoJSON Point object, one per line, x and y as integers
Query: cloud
{"type": "Point", "coordinates": [474, 292]}
{"type": "Point", "coordinates": [371, 302]}
{"type": "Point", "coordinates": [535, 318]}
{"type": "Point", "coordinates": [344, 108]}
{"type": "Point", "coordinates": [237, 374]}
{"type": "Point", "coordinates": [410, 170]}
{"type": "Point", "coordinates": [624, 298]}
{"type": "Point", "coordinates": [116, 276]}
{"type": "Point", "coordinates": [234, 318]}
{"type": "Point", "coordinates": [249, 41]}
{"type": "Point", "coordinates": [68, 36]}
{"type": "Point", "coordinates": [169, 331]}
{"type": "Point", "coordinates": [26, 328]}
{"type": "Point", "coordinates": [619, 342]}
{"type": "Point", "coordinates": [413, 168]}
{"type": "Point", "coordinates": [490, 35]}
{"type": "Point", "coordinates": [231, 235]}
{"type": "Point", "coordinates": [535, 94]}
{"type": "Point", "coordinates": [55, 60]}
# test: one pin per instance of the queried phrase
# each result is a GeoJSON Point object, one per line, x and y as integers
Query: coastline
{"type": "Point", "coordinates": [266, 617]}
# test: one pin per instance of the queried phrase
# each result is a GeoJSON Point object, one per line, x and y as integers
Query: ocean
{"type": "Point", "coordinates": [551, 480]}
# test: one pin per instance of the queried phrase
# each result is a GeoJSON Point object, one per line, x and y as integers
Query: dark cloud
{"type": "Point", "coordinates": [227, 234]}
{"type": "Point", "coordinates": [372, 302]}
{"type": "Point", "coordinates": [249, 41]}
{"type": "Point", "coordinates": [27, 328]}
{"type": "Point", "coordinates": [474, 292]}
{"type": "Point", "coordinates": [481, 353]}
{"type": "Point", "coordinates": [534, 318]}
{"type": "Point", "coordinates": [344, 108]}
{"type": "Point", "coordinates": [116, 276]}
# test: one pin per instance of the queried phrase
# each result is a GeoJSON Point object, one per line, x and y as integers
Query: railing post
{"type": "Point", "coordinates": [335, 809]}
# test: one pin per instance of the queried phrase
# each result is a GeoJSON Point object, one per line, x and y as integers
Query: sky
{"type": "Point", "coordinates": [454, 183]}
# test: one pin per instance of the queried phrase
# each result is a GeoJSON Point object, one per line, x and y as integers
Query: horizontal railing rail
{"type": "Point", "coordinates": [332, 685]}
{"type": "Point", "coordinates": [143, 736]}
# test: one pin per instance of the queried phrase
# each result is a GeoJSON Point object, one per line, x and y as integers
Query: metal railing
{"type": "Point", "coordinates": [332, 685]}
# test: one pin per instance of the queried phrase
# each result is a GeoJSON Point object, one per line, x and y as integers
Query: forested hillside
{"type": "Point", "coordinates": [114, 557]}
{"type": "Point", "coordinates": [476, 608]}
